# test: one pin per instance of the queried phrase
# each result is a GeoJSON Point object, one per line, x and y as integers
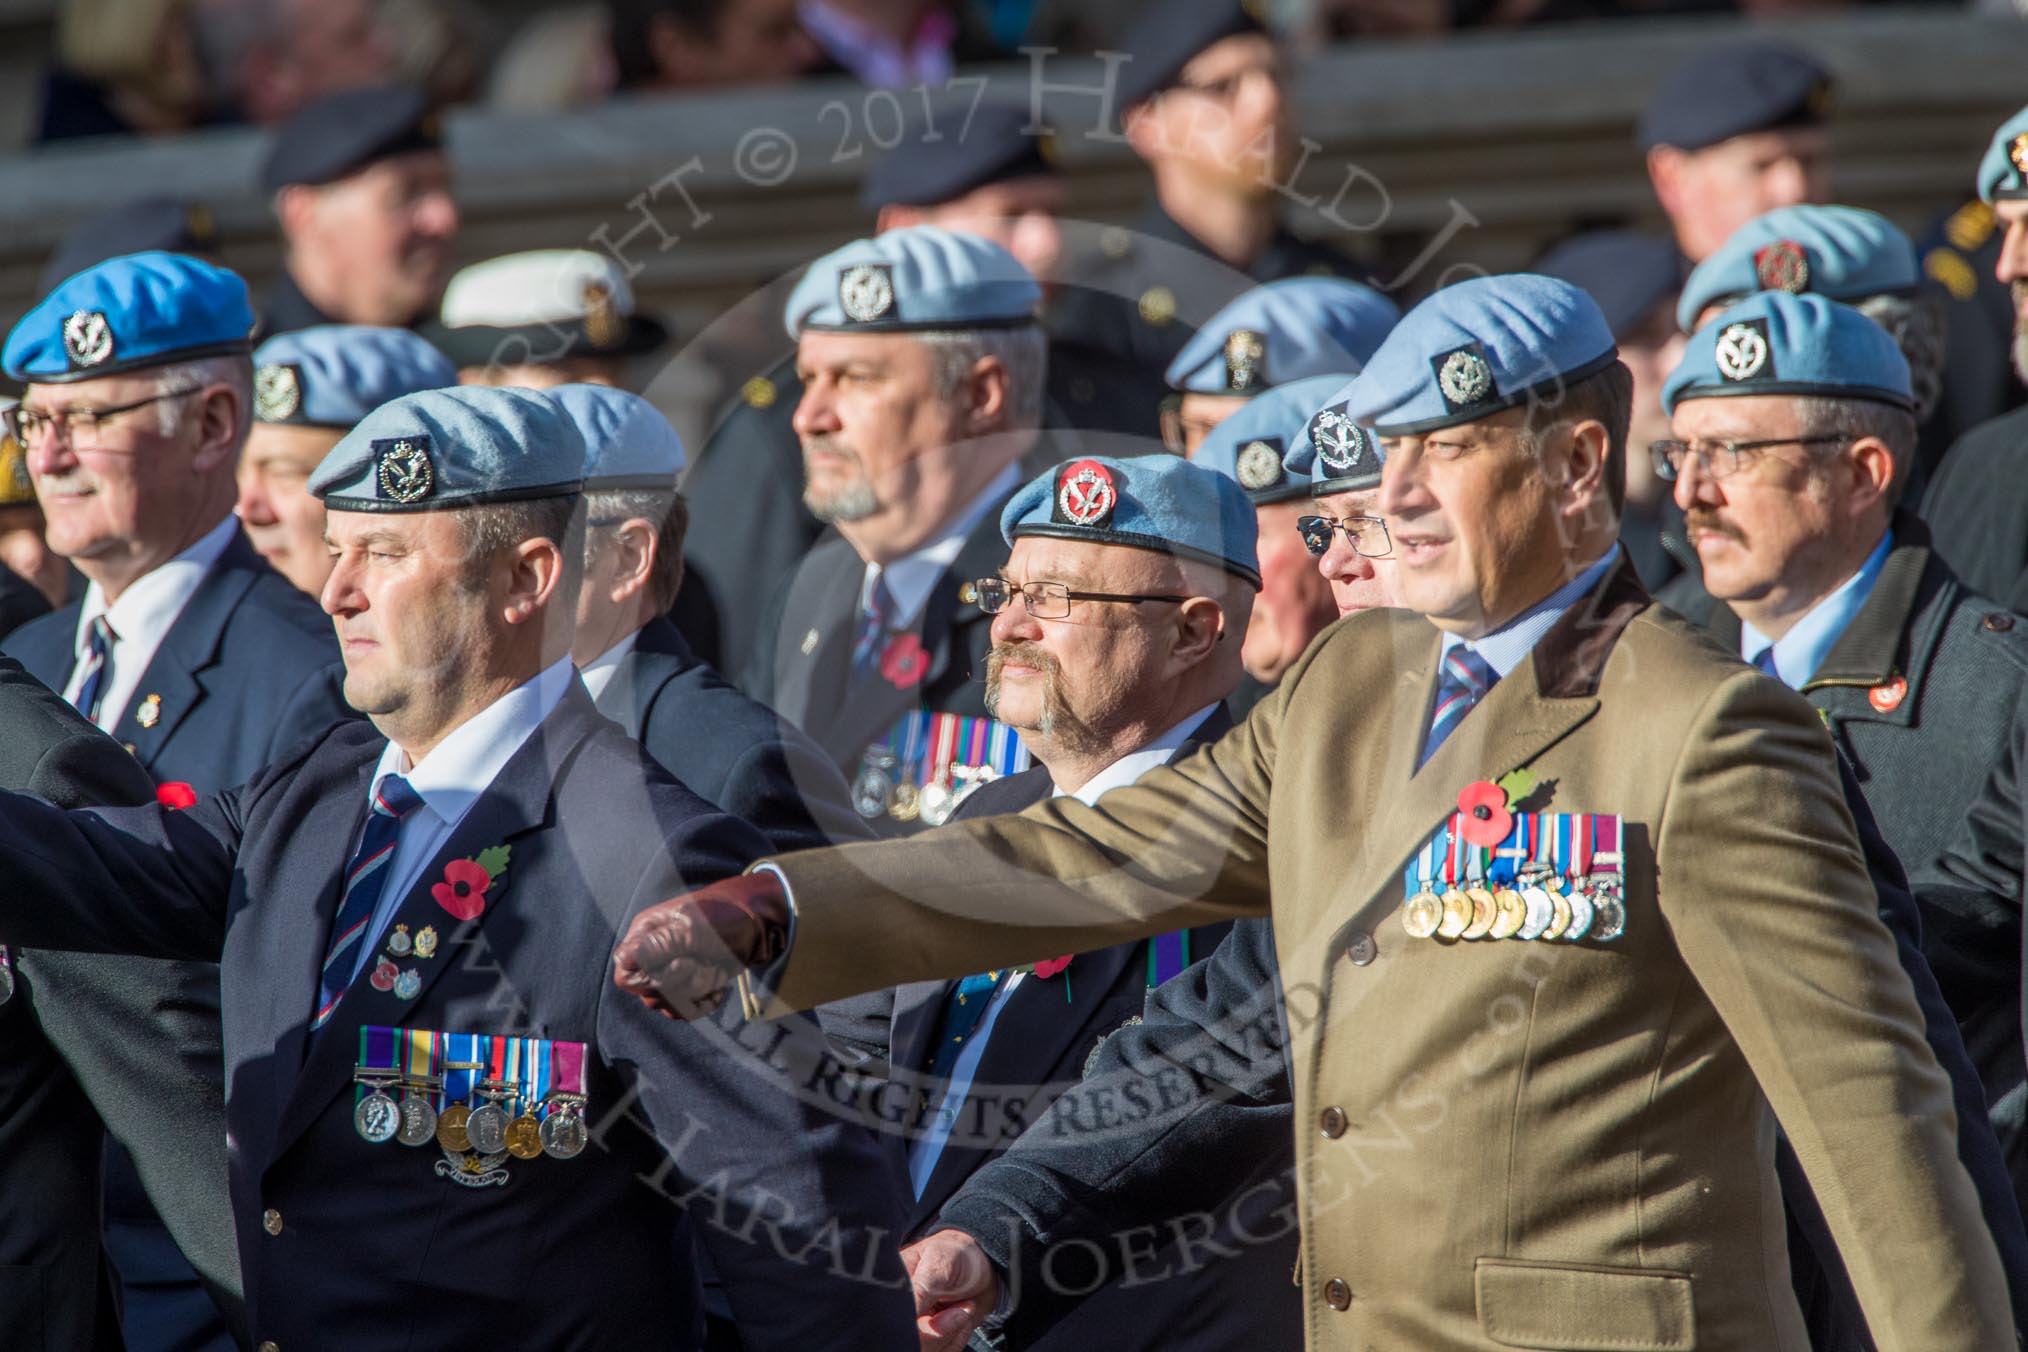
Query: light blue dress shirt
{"type": "Point", "coordinates": [1798, 653]}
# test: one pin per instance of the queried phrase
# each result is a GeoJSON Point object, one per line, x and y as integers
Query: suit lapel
{"type": "Point", "coordinates": [172, 684]}
{"type": "Point", "coordinates": [515, 805]}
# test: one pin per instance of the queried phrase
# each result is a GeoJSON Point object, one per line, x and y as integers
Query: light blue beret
{"type": "Point", "coordinates": [462, 447]}
{"type": "Point", "coordinates": [1159, 502]}
{"type": "Point", "coordinates": [131, 312]}
{"type": "Point", "coordinates": [1474, 349]}
{"type": "Point", "coordinates": [627, 442]}
{"type": "Point", "coordinates": [1249, 446]}
{"type": "Point", "coordinates": [918, 278]}
{"type": "Point", "coordinates": [1846, 253]}
{"type": "Point", "coordinates": [1334, 454]}
{"type": "Point", "coordinates": [1283, 331]}
{"type": "Point", "coordinates": [335, 374]}
{"type": "Point", "coordinates": [2003, 173]}
{"type": "Point", "coordinates": [1775, 343]}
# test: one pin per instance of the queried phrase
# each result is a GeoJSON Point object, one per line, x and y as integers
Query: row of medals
{"type": "Point", "coordinates": [487, 1129]}
{"type": "Point", "coordinates": [1540, 906]}
{"type": "Point", "coordinates": [876, 789]}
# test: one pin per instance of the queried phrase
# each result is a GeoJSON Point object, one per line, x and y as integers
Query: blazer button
{"type": "Point", "coordinates": [1337, 1295]}
{"type": "Point", "coordinates": [270, 1347]}
{"type": "Point", "coordinates": [1362, 949]}
{"type": "Point", "coordinates": [271, 1221]}
{"type": "Point", "coordinates": [1332, 1122]}
{"type": "Point", "coordinates": [1999, 622]}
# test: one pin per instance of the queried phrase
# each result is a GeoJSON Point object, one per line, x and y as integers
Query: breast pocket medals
{"type": "Point", "coordinates": [483, 1100]}
{"type": "Point", "coordinates": [930, 762]}
{"type": "Point", "coordinates": [1493, 873]}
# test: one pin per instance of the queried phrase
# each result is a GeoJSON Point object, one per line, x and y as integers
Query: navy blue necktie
{"type": "Point", "coordinates": [966, 1005]}
{"type": "Point", "coordinates": [365, 878]}
{"type": "Point", "coordinates": [1765, 660]}
{"type": "Point", "coordinates": [1463, 678]}
{"type": "Point", "coordinates": [98, 668]}
{"type": "Point", "coordinates": [876, 622]}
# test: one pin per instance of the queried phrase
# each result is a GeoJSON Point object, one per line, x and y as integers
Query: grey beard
{"type": "Point", "coordinates": [853, 503]}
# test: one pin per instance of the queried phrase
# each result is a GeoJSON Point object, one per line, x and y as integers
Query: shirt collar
{"type": "Point", "coordinates": [1134, 764]}
{"type": "Point", "coordinates": [911, 579]}
{"type": "Point", "coordinates": [1798, 653]}
{"type": "Point", "coordinates": [466, 763]}
{"type": "Point", "coordinates": [1508, 646]}
{"type": "Point", "coordinates": [151, 603]}
{"type": "Point", "coordinates": [598, 673]}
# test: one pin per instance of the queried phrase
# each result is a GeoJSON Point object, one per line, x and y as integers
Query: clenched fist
{"type": "Point", "coordinates": [680, 956]}
{"type": "Point", "coordinates": [955, 1288]}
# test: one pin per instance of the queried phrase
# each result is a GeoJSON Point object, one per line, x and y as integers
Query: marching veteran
{"type": "Point", "coordinates": [1554, 1132]}
{"type": "Point", "coordinates": [311, 387]}
{"type": "Point", "coordinates": [414, 920]}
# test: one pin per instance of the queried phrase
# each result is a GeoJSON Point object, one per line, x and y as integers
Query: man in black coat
{"type": "Point", "coordinates": [1102, 688]}
{"type": "Point", "coordinates": [726, 748]}
{"type": "Point", "coordinates": [414, 924]}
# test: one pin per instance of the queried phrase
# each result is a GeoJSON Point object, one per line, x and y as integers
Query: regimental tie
{"type": "Point", "coordinates": [875, 624]}
{"type": "Point", "coordinates": [1463, 678]}
{"type": "Point", "coordinates": [98, 667]}
{"type": "Point", "coordinates": [962, 1011]}
{"type": "Point", "coordinates": [365, 878]}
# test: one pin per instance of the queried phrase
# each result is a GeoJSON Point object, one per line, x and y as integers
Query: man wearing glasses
{"type": "Point", "coordinates": [186, 647]}
{"type": "Point", "coordinates": [1115, 646]}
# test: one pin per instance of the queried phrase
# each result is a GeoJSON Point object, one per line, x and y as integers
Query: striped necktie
{"type": "Point", "coordinates": [1463, 678]}
{"type": "Point", "coordinates": [98, 667]}
{"type": "Point", "coordinates": [365, 878]}
{"type": "Point", "coordinates": [875, 624]}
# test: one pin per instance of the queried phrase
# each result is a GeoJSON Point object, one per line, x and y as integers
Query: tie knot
{"type": "Point", "coordinates": [102, 636]}
{"type": "Point", "coordinates": [1464, 667]}
{"type": "Point", "coordinates": [394, 798]}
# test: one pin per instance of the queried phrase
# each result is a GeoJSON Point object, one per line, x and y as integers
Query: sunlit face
{"type": "Point", "coordinates": [1357, 582]}
{"type": "Point", "coordinates": [412, 621]}
{"type": "Point", "coordinates": [1713, 191]}
{"type": "Point", "coordinates": [1769, 525]}
{"type": "Point", "coordinates": [385, 237]}
{"type": "Point", "coordinates": [546, 375]}
{"type": "Point", "coordinates": [1295, 602]}
{"type": "Point", "coordinates": [1227, 116]}
{"type": "Point", "coordinates": [282, 520]}
{"type": "Point", "coordinates": [136, 489]}
{"type": "Point", "coordinates": [870, 410]}
{"type": "Point", "coordinates": [1475, 523]}
{"type": "Point", "coordinates": [2012, 268]}
{"type": "Point", "coordinates": [1198, 415]}
{"type": "Point", "coordinates": [1070, 683]}
{"type": "Point", "coordinates": [1020, 215]}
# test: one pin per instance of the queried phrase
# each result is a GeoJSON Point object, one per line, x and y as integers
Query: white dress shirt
{"type": "Point", "coordinates": [598, 673]}
{"type": "Point", "coordinates": [910, 580]}
{"type": "Point", "coordinates": [140, 620]}
{"type": "Point", "coordinates": [450, 779]}
{"type": "Point", "coordinates": [928, 1147]}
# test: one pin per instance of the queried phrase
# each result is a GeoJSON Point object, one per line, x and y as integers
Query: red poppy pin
{"type": "Point", "coordinates": [1486, 809]}
{"type": "Point", "coordinates": [384, 975]}
{"type": "Point", "coordinates": [463, 890]}
{"type": "Point", "coordinates": [1052, 966]}
{"type": "Point", "coordinates": [904, 662]}
{"type": "Point", "coordinates": [175, 794]}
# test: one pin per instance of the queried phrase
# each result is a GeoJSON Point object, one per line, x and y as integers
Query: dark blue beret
{"type": "Point", "coordinates": [1728, 91]}
{"type": "Point", "coordinates": [954, 150]}
{"type": "Point", "coordinates": [1626, 272]}
{"type": "Point", "coordinates": [1169, 35]}
{"type": "Point", "coordinates": [146, 225]}
{"type": "Point", "coordinates": [332, 137]}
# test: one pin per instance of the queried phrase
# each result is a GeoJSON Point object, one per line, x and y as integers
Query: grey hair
{"type": "Point", "coordinates": [1916, 324]}
{"type": "Point", "coordinates": [234, 371]}
{"type": "Point", "coordinates": [671, 515]}
{"type": "Point", "coordinates": [1023, 351]}
{"type": "Point", "coordinates": [1851, 419]}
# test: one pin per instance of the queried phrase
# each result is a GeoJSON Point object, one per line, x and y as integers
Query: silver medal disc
{"type": "Point", "coordinates": [872, 791]}
{"type": "Point", "coordinates": [1539, 912]}
{"type": "Point", "coordinates": [1611, 921]}
{"type": "Point", "coordinates": [1582, 912]}
{"type": "Point", "coordinates": [563, 1135]}
{"type": "Point", "coordinates": [418, 1121]}
{"type": "Point", "coordinates": [487, 1129]}
{"type": "Point", "coordinates": [937, 803]}
{"type": "Point", "coordinates": [377, 1118]}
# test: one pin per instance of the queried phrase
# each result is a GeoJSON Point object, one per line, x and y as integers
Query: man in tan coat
{"type": "Point", "coordinates": [1556, 1142]}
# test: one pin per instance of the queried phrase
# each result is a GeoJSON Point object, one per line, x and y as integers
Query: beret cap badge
{"type": "Point", "coordinates": [278, 393]}
{"type": "Point", "coordinates": [1086, 494]}
{"type": "Point", "coordinates": [1741, 350]}
{"type": "Point", "coordinates": [88, 338]}
{"type": "Point", "coordinates": [1464, 378]}
{"type": "Point", "coordinates": [1340, 442]}
{"type": "Point", "coordinates": [404, 468]}
{"type": "Point", "coordinates": [2018, 154]}
{"type": "Point", "coordinates": [1259, 466]}
{"type": "Point", "coordinates": [1245, 359]}
{"type": "Point", "coordinates": [1782, 266]}
{"type": "Point", "coordinates": [603, 327]}
{"type": "Point", "coordinates": [866, 292]}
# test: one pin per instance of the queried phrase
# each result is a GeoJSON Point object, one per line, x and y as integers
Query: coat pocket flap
{"type": "Point", "coordinates": [1584, 1309]}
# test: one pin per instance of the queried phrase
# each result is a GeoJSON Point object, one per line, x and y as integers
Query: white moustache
{"type": "Point", "coordinates": [70, 481]}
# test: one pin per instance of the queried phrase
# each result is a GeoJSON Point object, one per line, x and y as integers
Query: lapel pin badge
{"type": "Point", "coordinates": [150, 712]}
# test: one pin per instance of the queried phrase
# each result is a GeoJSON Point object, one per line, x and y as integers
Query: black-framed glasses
{"type": "Point", "coordinates": [1049, 600]}
{"type": "Point", "coordinates": [1179, 434]}
{"type": "Point", "coordinates": [81, 425]}
{"type": "Point", "coordinates": [1366, 534]}
{"type": "Point", "coordinates": [1720, 460]}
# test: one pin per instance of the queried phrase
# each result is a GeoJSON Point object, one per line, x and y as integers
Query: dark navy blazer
{"type": "Point", "coordinates": [350, 1244]}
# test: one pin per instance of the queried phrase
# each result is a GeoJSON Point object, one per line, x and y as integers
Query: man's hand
{"type": "Point", "coordinates": [679, 956]}
{"type": "Point", "coordinates": [955, 1288]}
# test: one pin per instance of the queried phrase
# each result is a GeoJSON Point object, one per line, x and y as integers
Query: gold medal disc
{"type": "Point", "coordinates": [1559, 920]}
{"type": "Point", "coordinates": [524, 1137]}
{"type": "Point", "coordinates": [1457, 914]}
{"type": "Point", "coordinates": [1483, 912]}
{"type": "Point", "coordinates": [451, 1129]}
{"type": "Point", "coordinates": [1421, 914]}
{"type": "Point", "coordinates": [1510, 913]}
